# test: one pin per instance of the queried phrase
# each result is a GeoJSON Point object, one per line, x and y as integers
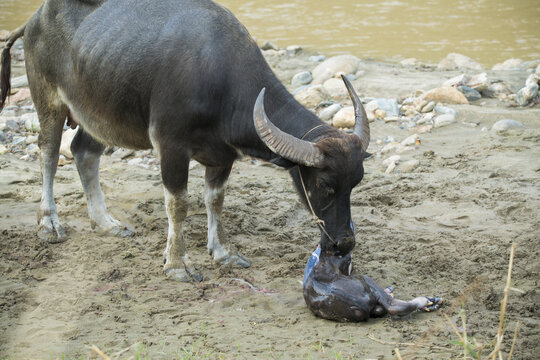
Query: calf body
{"type": "Point", "coordinates": [182, 77]}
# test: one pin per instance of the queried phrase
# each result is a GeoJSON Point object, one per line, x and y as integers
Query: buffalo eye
{"type": "Point", "coordinates": [327, 188]}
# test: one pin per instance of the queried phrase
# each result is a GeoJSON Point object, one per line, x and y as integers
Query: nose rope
{"type": "Point", "coordinates": [320, 223]}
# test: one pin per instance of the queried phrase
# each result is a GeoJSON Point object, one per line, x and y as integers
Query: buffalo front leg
{"type": "Point", "coordinates": [51, 120]}
{"type": "Point", "coordinates": [87, 152]}
{"type": "Point", "coordinates": [214, 193]}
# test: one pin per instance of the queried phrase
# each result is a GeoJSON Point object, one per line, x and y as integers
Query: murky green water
{"type": "Point", "coordinates": [489, 31]}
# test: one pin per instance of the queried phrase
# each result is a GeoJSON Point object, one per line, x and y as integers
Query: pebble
{"type": "Point", "coordinates": [122, 153]}
{"type": "Point", "coordinates": [311, 96]}
{"type": "Point", "coordinates": [9, 113]}
{"type": "Point", "coordinates": [267, 45]}
{"type": "Point", "coordinates": [391, 146]}
{"type": "Point", "coordinates": [409, 166]}
{"type": "Point", "coordinates": [524, 95]}
{"type": "Point", "coordinates": [336, 88]}
{"type": "Point", "coordinates": [31, 122]}
{"type": "Point", "coordinates": [444, 120]}
{"type": "Point", "coordinates": [506, 124]}
{"type": "Point", "coordinates": [510, 64]}
{"type": "Point", "coordinates": [457, 80]}
{"type": "Point", "coordinates": [32, 139]}
{"type": "Point", "coordinates": [12, 125]}
{"type": "Point", "coordinates": [446, 94]}
{"type": "Point", "coordinates": [454, 60]}
{"type": "Point", "coordinates": [32, 149]}
{"type": "Point", "coordinates": [3, 149]}
{"type": "Point", "coordinates": [65, 145]}
{"type": "Point", "coordinates": [478, 82]}
{"type": "Point", "coordinates": [391, 159]}
{"type": "Point", "coordinates": [341, 64]}
{"type": "Point", "coordinates": [135, 161]}
{"type": "Point", "coordinates": [317, 58]}
{"type": "Point", "coordinates": [409, 62]}
{"type": "Point", "coordinates": [18, 140]}
{"type": "Point", "coordinates": [344, 118]}
{"type": "Point", "coordinates": [496, 89]}
{"type": "Point", "coordinates": [18, 82]}
{"type": "Point", "coordinates": [302, 78]}
{"type": "Point", "coordinates": [428, 107]}
{"type": "Point", "coordinates": [329, 112]}
{"type": "Point", "coordinates": [3, 136]}
{"type": "Point", "coordinates": [294, 49]}
{"type": "Point", "coordinates": [390, 106]}
{"type": "Point", "coordinates": [380, 114]}
{"type": "Point", "coordinates": [411, 140]}
{"type": "Point", "coordinates": [470, 93]}
{"type": "Point", "coordinates": [532, 80]}
{"type": "Point", "coordinates": [445, 110]}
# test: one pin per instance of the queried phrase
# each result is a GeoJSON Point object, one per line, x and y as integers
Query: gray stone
{"type": "Point", "coordinates": [524, 95]}
{"type": "Point", "coordinates": [302, 78]}
{"type": "Point", "coordinates": [336, 88]}
{"type": "Point", "coordinates": [31, 122]}
{"type": "Point", "coordinates": [32, 139]}
{"type": "Point", "coordinates": [510, 64]}
{"type": "Point", "coordinates": [311, 96]}
{"type": "Point", "coordinates": [470, 93]}
{"type": "Point", "coordinates": [341, 64]}
{"type": "Point", "coordinates": [294, 49]}
{"type": "Point", "coordinates": [531, 81]}
{"type": "Point", "coordinates": [267, 45]}
{"type": "Point", "coordinates": [344, 118]}
{"type": "Point", "coordinates": [390, 106]}
{"type": "Point", "coordinates": [428, 107]}
{"type": "Point", "coordinates": [329, 112]}
{"type": "Point", "coordinates": [444, 120]}
{"type": "Point", "coordinates": [454, 60]}
{"type": "Point", "coordinates": [32, 149]}
{"type": "Point", "coordinates": [20, 81]}
{"type": "Point", "coordinates": [12, 125]}
{"type": "Point", "coordinates": [409, 62]}
{"type": "Point", "coordinates": [3, 137]}
{"type": "Point", "coordinates": [457, 80]}
{"type": "Point", "coordinates": [411, 140]}
{"type": "Point", "coordinates": [317, 58]}
{"type": "Point", "coordinates": [496, 89]}
{"type": "Point", "coordinates": [9, 113]}
{"type": "Point", "coordinates": [3, 149]}
{"type": "Point", "coordinates": [444, 110]}
{"type": "Point", "coordinates": [478, 82]}
{"type": "Point", "coordinates": [18, 140]}
{"type": "Point", "coordinates": [537, 72]}
{"type": "Point", "coordinates": [409, 166]}
{"type": "Point", "coordinates": [506, 124]}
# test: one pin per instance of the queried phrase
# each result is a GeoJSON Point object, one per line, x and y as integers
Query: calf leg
{"type": "Point", "coordinates": [87, 152]}
{"type": "Point", "coordinates": [51, 118]}
{"type": "Point", "coordinates": [218, 246]}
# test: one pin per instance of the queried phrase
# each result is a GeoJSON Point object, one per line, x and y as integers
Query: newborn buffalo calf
{"type": "Point", "coordinates": [331, 293]}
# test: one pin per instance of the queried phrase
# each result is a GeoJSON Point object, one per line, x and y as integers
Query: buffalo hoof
{"type": "Point", "coordinates": [238, 259]}
{"type": "Point", "coordinates": [51, 231]}
{"type": "Point", "coordinates": [433, 304]}
{"type": "Point", "coordinates": [183, 275]}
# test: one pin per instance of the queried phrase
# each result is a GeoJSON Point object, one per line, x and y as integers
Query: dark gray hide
{"type": "Point", "coordinates": [181, 76]}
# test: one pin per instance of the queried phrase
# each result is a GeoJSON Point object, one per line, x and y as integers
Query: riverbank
{"type": "Point", "coordinates": [449, 187]}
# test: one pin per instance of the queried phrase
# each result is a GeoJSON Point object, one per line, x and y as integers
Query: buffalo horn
{"type": "Point", "coordinates": [361, 124]}
{"type": "Point", "coordinates": [283, 144]}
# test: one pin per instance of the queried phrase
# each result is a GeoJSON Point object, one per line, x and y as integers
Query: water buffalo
{"type": "Point", "coordinates": [182, 77]}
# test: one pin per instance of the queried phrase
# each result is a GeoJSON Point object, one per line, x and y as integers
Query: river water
{"type": "Point", "coordinates": [489, 31]}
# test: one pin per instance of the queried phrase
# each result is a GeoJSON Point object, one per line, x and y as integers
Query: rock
{"type": "Point", "coordinates": [510, 64]}
{"type": "Point", "coordinates": [454, 60]}
{"type": "Point", "coordinates": [391, 146]}
{"type": "Point", "coordinates": [457, 80]}
{"type": "Point", "coordinates": [344, 118]}
{"type": "Point", "coordinates": [18, 82]}
{"type": "Point", "coordinates": [428, 107]}
{"type": "Point", "coordinates": [470, 93]}
{"type": "Point", "coordinates": [388, 119]}
{"type": "Point", "coordinates": [445, 110]}
{"type": "Point", "coordinates": [478, 82]}
{"type": "Point", "coordinates": [135, 161]}
{"type": "Point", "coordinates": [390, 160]}
{"type": "Point", "coordinates": [21, 95]}
{"type": "Point", "coordinates": [446, 94]}
{"type": "Point", "coordinates": [12, 125]}
{"type": "Point", "coordinates": [524, 95]}
{"type": "Point", "coordinates": [390, 106]}
{"type": "Point", "coordinates": [9, 113]}
{"type": "Point", "coordinates": [506, 124]}
{"type": "Point", "coordinates": [122, 153]}
{"type": "Point", "coordinates": [411, 140]}
{"type": "Point", "coordinates": [3, 149]}
{"type": "Point", "coordinates": [329, 112]}
{"type": "Point", "coordinates": [62, 160]}
{"type": "Point", "coordinates": [409, 62]}
{"type": "Point", "coordinates": [336, 88]}
{"type": "Point", "coordinates": [294, 49]}
{"type": "Point", "coordinates": [31, 122]}
{"type": "Point", "coordinates": [18, 140]}
{"type": "Point", "coordinates": [32, 139]}
{"type": "Point", "coordinates": [409, 166]}
{"type": "Point", "coordinates": [65, 145]}
{"type": "Point", "coordinates": [532, 80]}
{"type": "Point", "coordinates": [341, 64]}
{"type": "Point", "coordinates": [496, 89]}
{"type": "Point", "coordinates": [380, 114]}
{"type": "Point", "coordinates": [444, 120]}
{"type": "Point", "coordinates": [3, 136]}
{"type": "Point", "coordinates": [317, 58]}
{"type": "Point", "coordinates": [537, 72]}
{"type": "Point", "coordinates": [32, 149]}
{"type": "Point", "coordinates": [302, 78]}
{"type": "Point", "coordinates": [312, 95]}
{"type": "Point", "coordinates": [267, 45]}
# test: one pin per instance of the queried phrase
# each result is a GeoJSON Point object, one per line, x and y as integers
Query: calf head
{"type": "Point", "coordinates": [327, 171]}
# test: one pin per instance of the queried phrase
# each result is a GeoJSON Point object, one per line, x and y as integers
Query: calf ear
{"type": "Point", "coordinates": [281, 162]}
{"type": "Point", "coordinates": [366, 155]}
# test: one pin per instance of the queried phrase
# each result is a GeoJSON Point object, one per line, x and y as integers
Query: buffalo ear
{"type": "Point", "coordinates": [281, 162]}
{"type": "Point", "coordinates": [366, 155]}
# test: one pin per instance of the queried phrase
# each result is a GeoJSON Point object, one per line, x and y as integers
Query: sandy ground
{"type": "Point", "coordinates": [444, 230]}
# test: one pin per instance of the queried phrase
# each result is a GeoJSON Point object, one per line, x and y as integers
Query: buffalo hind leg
{"type": "Point", "coordinates": [51, 119]}
{"type": "Point", "coordinates": [87, 152]}
{"type": "Point", "coordinates": [214, 192]}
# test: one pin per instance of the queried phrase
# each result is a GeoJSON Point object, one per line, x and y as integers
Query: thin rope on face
{"type": "Point", "coordinates": [320, 223]}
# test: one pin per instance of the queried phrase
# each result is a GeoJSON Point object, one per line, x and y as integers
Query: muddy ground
{"type": "Point", "coordinates": [444, 229]}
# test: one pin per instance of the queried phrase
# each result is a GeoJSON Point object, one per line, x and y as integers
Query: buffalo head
{"type": "Point", "coordinates": [327, 171]}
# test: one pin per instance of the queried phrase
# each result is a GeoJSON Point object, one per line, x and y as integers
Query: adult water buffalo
{"type": "Point", "coordinates": [181, 76]}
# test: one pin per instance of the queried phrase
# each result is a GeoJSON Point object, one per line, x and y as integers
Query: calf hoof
{"type": "Point", "coordinates": [238, 259]}
{"type": "Point", "coordinates": [51, 231]}
{"type": "Point", "coordinates": [183, 275]}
